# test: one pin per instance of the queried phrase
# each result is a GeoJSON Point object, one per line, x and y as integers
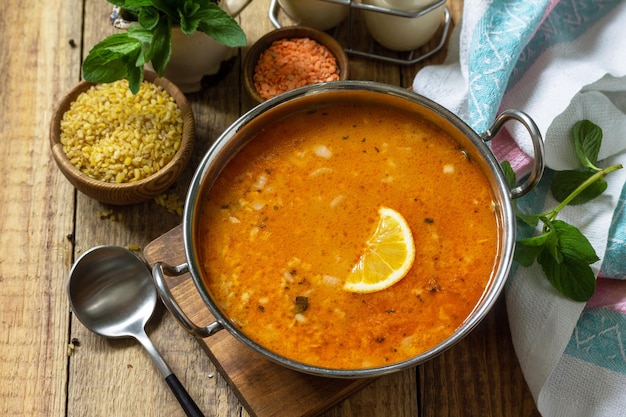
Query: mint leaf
{"type": "Point", "coordinates": [169, 8]}
{"type": "Point", "coordinates": [192, 14]}
{"type": "Point", "coordinates": [565, 183]}
{"type": "Point", "coordinates": [149, 17]}
{"type": "Point", "coordinates": [572, 277]}
{"type": "Point", "coordinates": [135, 77]}
{"type": "Point", "coordinates": [145, 39]}
{"type": "Point", "coordinates": [564, 253]}
{"type": "Point", "coordinates": [131, 7]}
{"type": "Point", "coordinates": [573, 243]}
{"type": "Point", "coordinates": [111, 59]}
{"type": "Point", "coordinates": [509, 174]}
{"type": "Point", "coordinates": [223, 28]}
{"type": "Point", "coordinates": [552, 248]}
{"type": "Point", "coordinates": [130, 3]}
{"type": "Point", "coordinates": [161, 46]}
{"type": "Point", "coordinates": [118, 44]}
{"type": "Point", "coordinates": [529, 219]}
{"type": "Point", "coordinates": [190, 8]}
{"type": "Point", "coordinates": [587, 141]}
{"type": "Point", "coordinates": [526, 255]}
{"type": "Point", "coordinates": [527, 250]}
{"type": "Point", "coordinates": [541, 240]}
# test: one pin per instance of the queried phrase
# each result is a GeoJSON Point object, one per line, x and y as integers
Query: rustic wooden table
{"type": "Point", "coordinates": [45, 224]}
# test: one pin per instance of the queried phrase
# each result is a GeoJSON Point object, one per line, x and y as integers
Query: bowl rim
{"type": "Point", "coordinates": [78, 177]}
{"type": "Point", "coordinates": [287, 32]}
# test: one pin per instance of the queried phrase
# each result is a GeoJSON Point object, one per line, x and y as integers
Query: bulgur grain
{"type": "Point", "coordinates": [110, 215]}
{"type": "Point", "coordinates": [113, 135]}
{"type": "Point", "coordinates": [172, 202]}
{"type": "Point", "coordinates": [133, 247]}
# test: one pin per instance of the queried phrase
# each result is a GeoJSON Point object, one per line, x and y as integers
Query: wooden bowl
{"type": "Point", "coordinates": [291, 32]}
{"type": "Point", "coordinates": [127, 192]}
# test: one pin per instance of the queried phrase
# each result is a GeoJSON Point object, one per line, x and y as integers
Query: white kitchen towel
{"type": "Point", "coordinates": [560, 61]}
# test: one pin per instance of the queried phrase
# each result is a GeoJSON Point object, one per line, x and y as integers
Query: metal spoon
{"type": "Point", "coordinates": [111, 292]}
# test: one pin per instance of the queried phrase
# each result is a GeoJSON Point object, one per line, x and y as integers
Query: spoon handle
{"type": "Point", "coordinates": [181, 394]}
{"type": "Point", "coordinates": [183, 397]}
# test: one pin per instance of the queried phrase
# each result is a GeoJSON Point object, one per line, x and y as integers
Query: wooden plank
{"type": "Point", "coordinates": [480, 376]}
{"type": "Point", "coordinates": [36, 205]}
{"type": "Point", "coordinates": [116, 377]}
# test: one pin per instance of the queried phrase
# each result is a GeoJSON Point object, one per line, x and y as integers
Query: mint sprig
{"type": "Point", "coordinates": [149, 39]}
{"type": "Point", "coordinates": [564, 253]}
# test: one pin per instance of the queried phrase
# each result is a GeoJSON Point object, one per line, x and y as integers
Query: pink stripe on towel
{"type": "Point", "coordinates": [505, 148]}
{"type": "Point", "coordinates": [610, 293]}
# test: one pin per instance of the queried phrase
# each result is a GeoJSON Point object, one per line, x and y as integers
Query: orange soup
{"type": "Point", "coordinates": [288, 218]}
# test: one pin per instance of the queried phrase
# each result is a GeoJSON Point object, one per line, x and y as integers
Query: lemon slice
{"type": "Point", "coordinates": [388, 255]}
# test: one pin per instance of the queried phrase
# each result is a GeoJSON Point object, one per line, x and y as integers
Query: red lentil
{"type": "Point", "coordinates": [292, 63]}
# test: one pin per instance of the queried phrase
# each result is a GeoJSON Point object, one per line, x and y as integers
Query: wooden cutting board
{"type": "Point", "coordinates": [263, 387]}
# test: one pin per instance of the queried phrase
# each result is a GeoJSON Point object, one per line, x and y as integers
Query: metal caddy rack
{"type": "Point", "coordinates": [401, 58]}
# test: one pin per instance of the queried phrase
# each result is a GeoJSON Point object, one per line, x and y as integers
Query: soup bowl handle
{"type": "Point", "coordinates": [158, 274]}
{"type": "Point", "coordinates": [537, 141]}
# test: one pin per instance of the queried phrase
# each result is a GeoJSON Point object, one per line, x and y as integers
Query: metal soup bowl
{"type": "Point", "coordinates": [310, 97]}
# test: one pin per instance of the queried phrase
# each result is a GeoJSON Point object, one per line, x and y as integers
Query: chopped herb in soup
{"type": "Point", "coordinates": [289, 216]}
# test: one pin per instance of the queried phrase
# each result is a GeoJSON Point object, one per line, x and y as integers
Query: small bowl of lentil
{"type": "Point", "coordinates": [292, 57]}
{"type": "Point", "coordinates": [122, 148]}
